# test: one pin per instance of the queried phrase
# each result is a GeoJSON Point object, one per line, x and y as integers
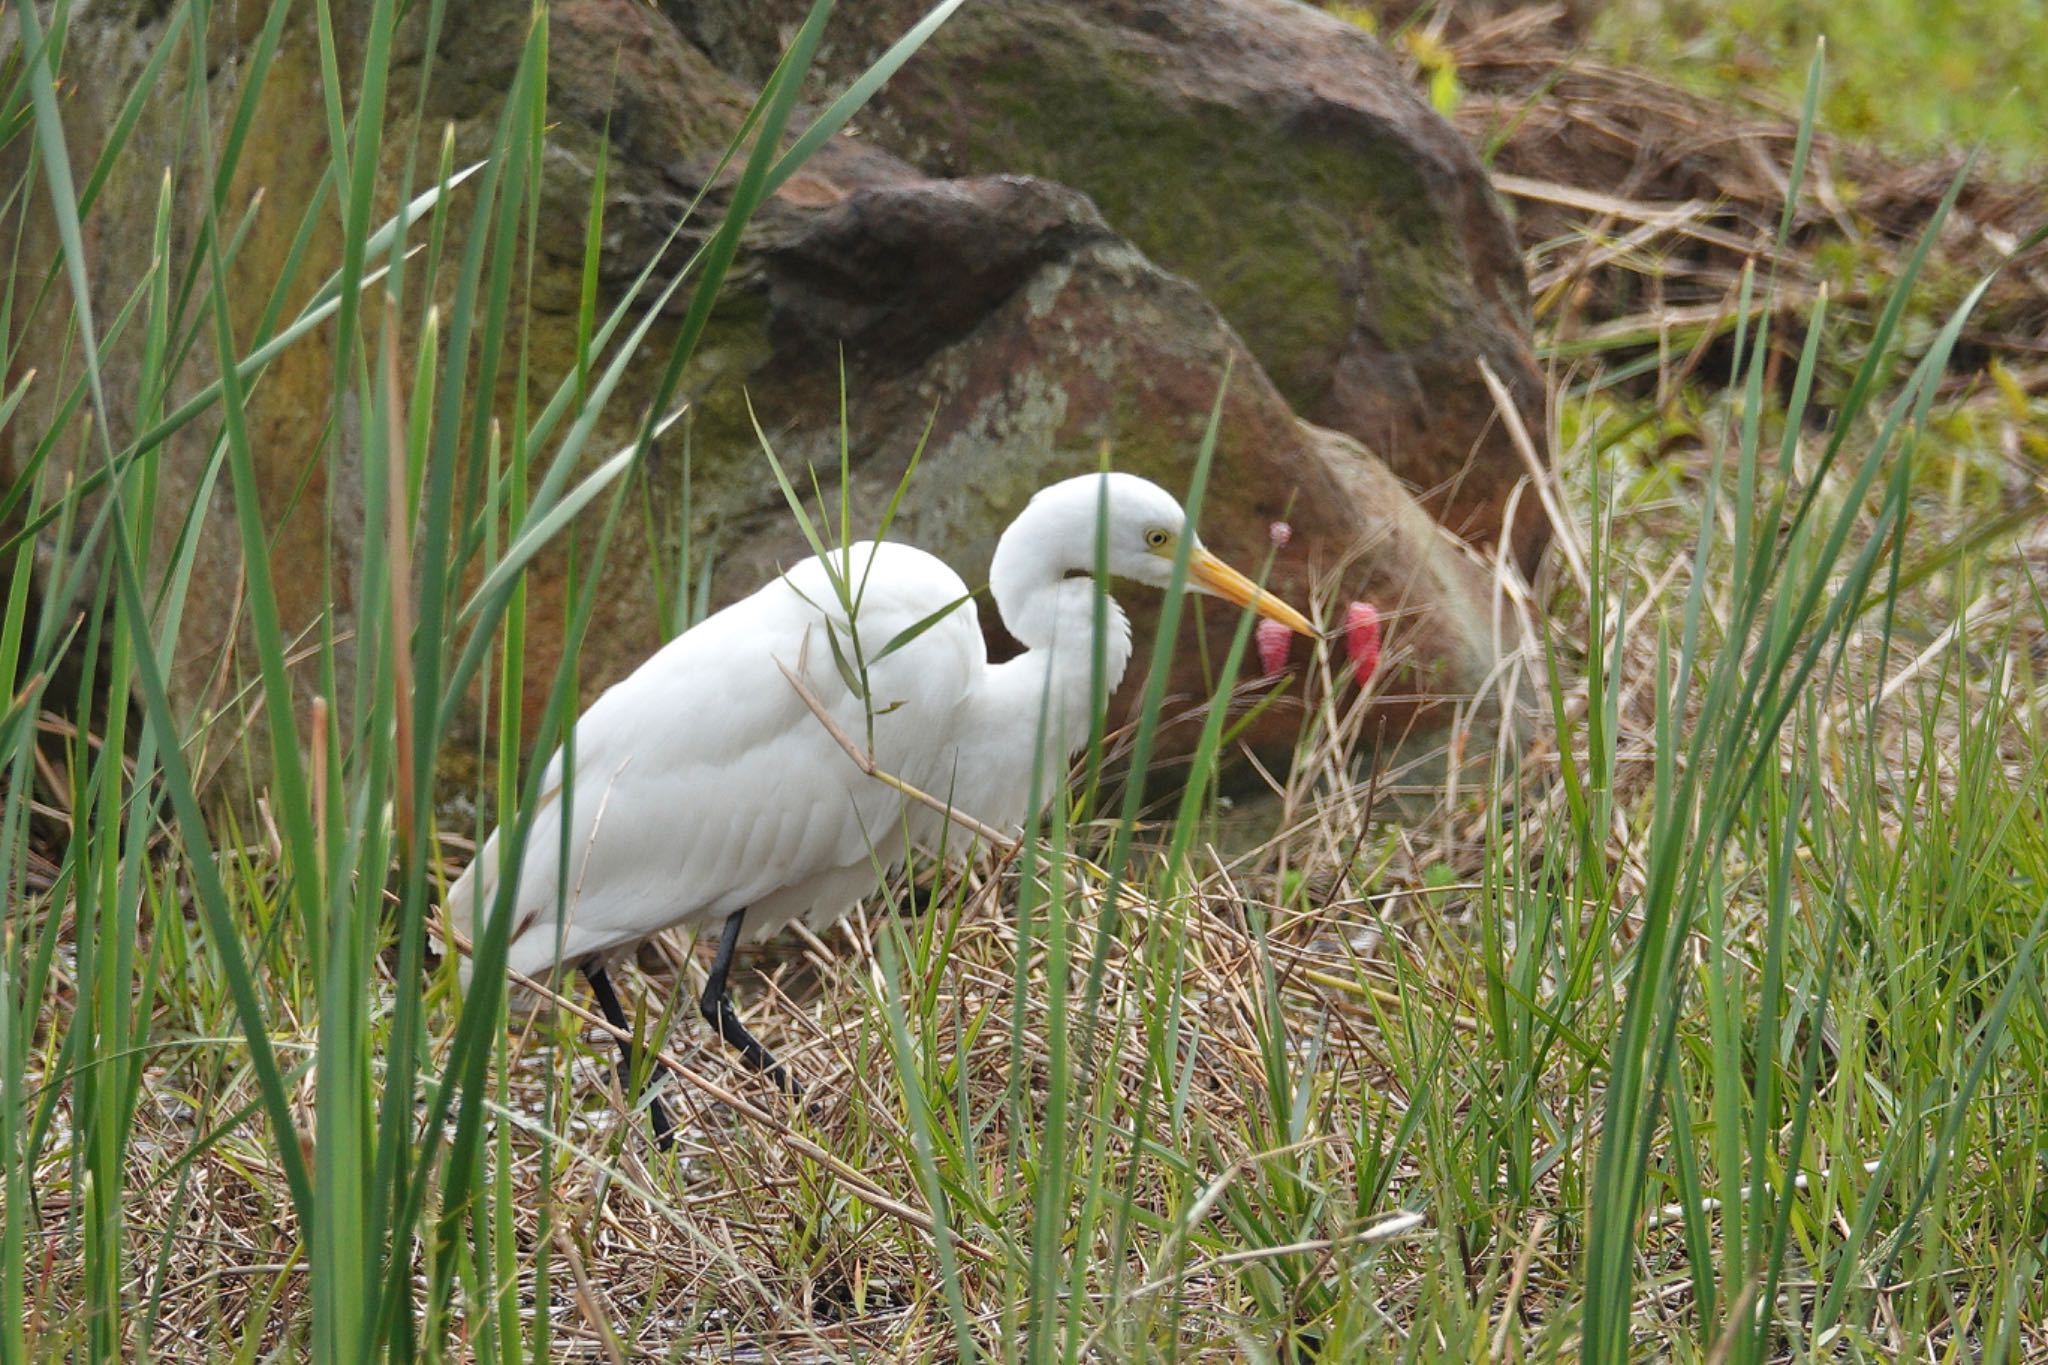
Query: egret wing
{"type": "Point", "coordinates": [704, 784]}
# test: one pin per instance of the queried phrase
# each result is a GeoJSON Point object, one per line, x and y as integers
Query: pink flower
{"type": "Point", "coordinates": [1280, 533]}
{"type": "Point", "coordinates": [1274, 640]}
{"type": "Point", "coordinates": [1361, 639]}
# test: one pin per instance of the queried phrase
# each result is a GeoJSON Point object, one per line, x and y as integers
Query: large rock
{"type": "Point", "coordinates": [1270, 152]}
{"type": "Point", "coordinates": [1006, 312]}
{"type": "Point", "coordinates": [106, 48]}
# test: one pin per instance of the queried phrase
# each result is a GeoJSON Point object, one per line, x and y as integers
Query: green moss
{"type": "Point", "coordinates": [1274, 230]}
{"type": "Point", "coordinates": [724, 450]}
{"type": "Point", "coordinates": [1411, 293]}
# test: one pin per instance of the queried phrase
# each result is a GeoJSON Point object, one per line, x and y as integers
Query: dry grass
{"type": "Point", "coordinates": [1639, 202]}
{"type": "Point", "coordinates": [741, 1246]}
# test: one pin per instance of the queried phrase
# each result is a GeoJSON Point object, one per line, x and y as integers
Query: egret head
{"type": "Point", "coordinates": [1143, 530]}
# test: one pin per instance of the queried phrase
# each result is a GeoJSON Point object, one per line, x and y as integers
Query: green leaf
{"type": "Point", "coordinates": [847, 673]}
{"type": "Point", "coordinates": [911, 632]}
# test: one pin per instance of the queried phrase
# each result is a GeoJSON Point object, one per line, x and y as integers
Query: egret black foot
{"type": "Point", "coordinates": [716, 1007]}
{"type": "Point", "coordinates": [615, 1015]}
{"type": "Point", "coordinates": [720, 1015]}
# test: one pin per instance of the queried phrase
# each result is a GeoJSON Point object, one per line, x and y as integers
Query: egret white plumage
{"type": "Point", "coordinates": [706, 791]}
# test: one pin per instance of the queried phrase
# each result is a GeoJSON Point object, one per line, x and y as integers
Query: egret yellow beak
{"type": "Point", "coordinates": [1212, 575]}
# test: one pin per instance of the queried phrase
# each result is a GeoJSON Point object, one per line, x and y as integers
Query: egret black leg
{"type": "Point", "coordinates": [608, 1002]}
{"type": "Point", "coordinates": [716, 1007]}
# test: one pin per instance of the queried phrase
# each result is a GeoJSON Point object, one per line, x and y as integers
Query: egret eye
{"type": "Point", "coordinates": [1157, 537]}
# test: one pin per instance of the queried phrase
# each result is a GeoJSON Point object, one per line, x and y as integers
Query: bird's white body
{"type": "Point", "coordinates": [705, 786]}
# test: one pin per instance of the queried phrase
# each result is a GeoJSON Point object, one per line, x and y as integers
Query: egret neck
{"type": "Point", "coordinates": [1043, 588]}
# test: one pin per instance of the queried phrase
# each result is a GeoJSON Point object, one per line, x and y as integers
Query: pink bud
{"type": "Point", "coordinates": [1274, 640]}
{"type": "Point", "coordinates": [1362, 639]}
{"type": "Point", "coordinates": [1280, 533]}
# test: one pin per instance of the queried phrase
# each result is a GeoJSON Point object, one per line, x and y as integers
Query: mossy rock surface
{"type": "Point", "coordinates": [1272, 154]}
{"type": "Point", "coordinates": [1081, 345]}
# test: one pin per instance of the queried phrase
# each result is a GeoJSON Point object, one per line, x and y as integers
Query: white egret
{"type": "Point", "coordinates": [706, 791]}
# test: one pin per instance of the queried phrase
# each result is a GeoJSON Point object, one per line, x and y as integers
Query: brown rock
{"type": "Point", "coordinates": [1273, 154]}
{"type": "Point", "coordinates": [1004, 313]}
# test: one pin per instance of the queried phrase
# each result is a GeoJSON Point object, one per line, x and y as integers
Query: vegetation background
{"type": "Point", "coordinates": [1709, 1026]}
{"type": "Point", "coordinates": [1915, 79]}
